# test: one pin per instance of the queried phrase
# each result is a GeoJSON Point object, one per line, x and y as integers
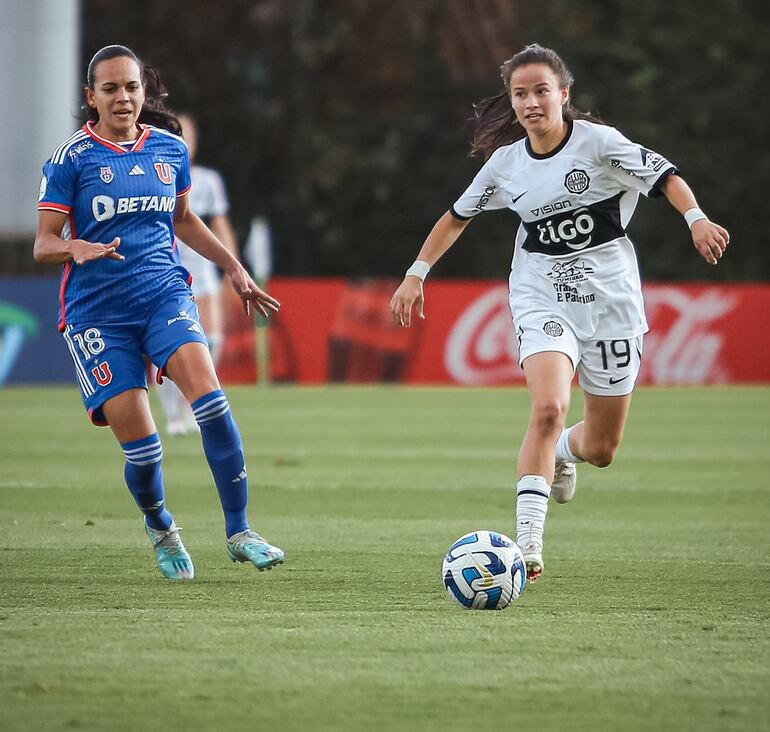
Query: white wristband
{"type": "Point", "coordinates": [419, 269]}
{"type": "Point", "coordinates": [692, 215]}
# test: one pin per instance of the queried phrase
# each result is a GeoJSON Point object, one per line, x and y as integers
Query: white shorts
{"type": "Point", "coordinates": [605, 367]}
{"type": "Point", "coordinates": [205, 278]}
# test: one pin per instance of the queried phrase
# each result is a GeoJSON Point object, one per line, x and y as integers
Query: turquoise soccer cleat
{"type": "Point", "coordinates": [248, 546]}
{"type": "Point", "coordinates": [172, 557]}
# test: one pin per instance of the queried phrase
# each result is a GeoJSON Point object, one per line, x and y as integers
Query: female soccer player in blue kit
{"type": "Point", "coordinates": [575, 292]}
{"type": "Point", "coordinates": [111, 199]}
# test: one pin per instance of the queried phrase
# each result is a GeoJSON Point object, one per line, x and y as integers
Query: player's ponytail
{"type": "Point", "coordinates": [495, 122]}
{"type": "Point", "coordinates": [154, 111]}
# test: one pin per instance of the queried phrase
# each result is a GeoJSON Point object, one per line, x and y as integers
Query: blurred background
{"type": "Point", "coordinates": [341, 130]}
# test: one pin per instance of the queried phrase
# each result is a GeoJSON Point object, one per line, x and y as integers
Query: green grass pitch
{"type": "Point", "coordinates": [652, 613]}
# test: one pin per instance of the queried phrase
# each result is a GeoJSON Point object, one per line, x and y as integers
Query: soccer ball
{"type": "Point", "coordinates": [484, 570]}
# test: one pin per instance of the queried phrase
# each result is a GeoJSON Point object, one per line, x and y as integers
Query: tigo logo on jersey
{"type": "Point", "coordinates": [106, 174]}
{"type": "Point", "coordinates": [164, 172]}
{"type": "Point", "coordinates": [104, 207]}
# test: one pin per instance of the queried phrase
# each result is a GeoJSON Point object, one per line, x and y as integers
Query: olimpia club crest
{"type": "Point", "coordinates": [577, 181]}
{"type": "Point", "coordinates": [106, 174]}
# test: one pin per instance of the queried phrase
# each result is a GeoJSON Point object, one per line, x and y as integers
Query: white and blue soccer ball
{"type": "Point", "coordinates": [484, 570]}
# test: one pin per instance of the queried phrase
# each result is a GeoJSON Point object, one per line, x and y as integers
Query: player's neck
{"type": "Point", "coordinates": [116, 135]}
{"type": "Point", "coordinates": [550, 140]}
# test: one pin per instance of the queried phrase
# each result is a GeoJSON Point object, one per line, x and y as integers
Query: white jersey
{"type": "Point", "coordinates": [207, 199]}
{"type": "Point", "coordinates": [572, 257]}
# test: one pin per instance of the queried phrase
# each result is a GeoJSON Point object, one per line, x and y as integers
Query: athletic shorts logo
{"type": "Point", "coordinates": [613, 380]}
{"type": "Point", "coordinates": [102, 373]}
{"type": "Point", "coordinates": [106, 174]}
{"type": "Point", "coordinates": [577, 181]}
{"type": "Point", "coordinates": [164, 172]}
{"type": "Point", "coordinates": [552, 328]}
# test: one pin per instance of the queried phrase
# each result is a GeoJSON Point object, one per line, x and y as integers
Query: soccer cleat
{"type": "Point", "coordinates": [564, 482]}
{"type": "Point", "coordinates": [248, 546]}
{"type": "Point", "coordinates": [533, 560]}
{"type": "Point", "coordinates": [172, 557]}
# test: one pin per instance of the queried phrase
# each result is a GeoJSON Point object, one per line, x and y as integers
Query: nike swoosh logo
{"type": "Point", "coordinates": [617, 381]}
{"type": "Point", "coordinates": [513, 200]}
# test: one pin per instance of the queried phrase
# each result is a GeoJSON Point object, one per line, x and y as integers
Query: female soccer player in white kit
{"type": "Point", "coordinates": [208, 200]}
{"type": "Point", "coordinates": [575, 292]}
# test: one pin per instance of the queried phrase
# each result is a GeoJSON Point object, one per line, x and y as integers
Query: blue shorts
{"type": "Point", "coordinates": [110, 358]}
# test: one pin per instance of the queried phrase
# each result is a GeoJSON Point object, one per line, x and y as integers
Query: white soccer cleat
{"type": "Point", "coordinates": [533, 560]}
{"type": "Point", "coordinates": [564, 482]}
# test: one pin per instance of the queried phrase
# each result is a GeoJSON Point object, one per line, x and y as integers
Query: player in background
{"type": "Point", "coordinates": [111, 198]}
{"type": "Point", "coordinates": [208, 200]}
{"type": "Point", "coordinates": [575, 292]}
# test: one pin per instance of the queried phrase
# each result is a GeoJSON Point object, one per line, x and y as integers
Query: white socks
{"type": "Point", "coordinates": [531, 507]}
{"type": "Point", "coordinates": [563, 452]}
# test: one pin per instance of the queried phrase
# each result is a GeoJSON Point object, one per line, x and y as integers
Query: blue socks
{"type": "Point", "coordinates": [144, 477]}
{"type": "Point", "coordinates": [224, 452]}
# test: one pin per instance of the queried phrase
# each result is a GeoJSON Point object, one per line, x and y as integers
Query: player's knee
{"type": "Point", "coordinates": [600, 455]}
{"type": "Point", "coordinates": [548, 416]}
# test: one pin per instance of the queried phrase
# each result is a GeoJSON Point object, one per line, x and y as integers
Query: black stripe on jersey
{"type": "Point", "coordinates": [572, 231]}
{"type": "Point", "coordinates": [655, 191]}
{"type": "Point", "coordinates": [457, 215]}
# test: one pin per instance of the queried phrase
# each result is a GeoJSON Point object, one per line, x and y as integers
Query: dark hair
{"type": "Point", "coordinates": [154, 111]}
{"type": "Point", "coordinates": [495, 122]}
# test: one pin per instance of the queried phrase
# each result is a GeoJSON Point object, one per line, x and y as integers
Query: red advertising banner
{"type": "Point", "coordinates": [331, 330]}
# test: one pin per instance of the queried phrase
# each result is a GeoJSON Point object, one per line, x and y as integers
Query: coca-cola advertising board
{"type": "Point", "coordinates": [331, 330]}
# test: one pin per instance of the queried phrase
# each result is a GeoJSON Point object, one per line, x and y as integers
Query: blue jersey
{"type": "Point", "coordinates": [110, 190]}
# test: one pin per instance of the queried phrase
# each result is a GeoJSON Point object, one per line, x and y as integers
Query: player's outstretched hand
{"type": "Point", "coordinates": [408, 294]}
{"type": "Point", "coordinates": [710, 240]}
{"type": "Point", "coordinates": [251, 293]}
{"type": "Point", "coordinates": [86, 251]}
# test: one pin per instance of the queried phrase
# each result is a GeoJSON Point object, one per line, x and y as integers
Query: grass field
{"type": "Point", "coordinates": [652, 613]}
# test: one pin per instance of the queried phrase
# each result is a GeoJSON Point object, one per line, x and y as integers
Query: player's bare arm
{"type": "Point", "coordinates": [199, 237]}
{"type": "Point", "coordinates": [410, 293]}
{"type": "Point", "coordinates": [710, 239]}
{"type": "Point", "coordinates": [50, 248]}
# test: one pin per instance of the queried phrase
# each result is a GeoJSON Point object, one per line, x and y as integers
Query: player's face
{"type": "Point", "coordinates": [537, 98]}
{"type": "Point", "coordinates": [117, 96]}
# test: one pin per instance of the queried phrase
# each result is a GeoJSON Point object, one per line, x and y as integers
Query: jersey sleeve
{"type": "Point", "coordinates": [57, 186]}
{"type": "Point", "coordinates": [183, 180]}
{"type": "Point", "coordinates": [483, 194]}
{"type": "Point", "coordinates": [635, 165]}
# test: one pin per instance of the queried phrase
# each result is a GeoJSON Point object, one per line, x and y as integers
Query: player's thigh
{"type": "Point", "coordinates": [108, 361]}
{"type": "Point", "coordinates": [190, 367]}
{"type": "Point", "coordinates": [129, 415]}
{"type": "Point", "coordinates": [548, 352]}
{"type": "Point", "coordinates": [608, 371]}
